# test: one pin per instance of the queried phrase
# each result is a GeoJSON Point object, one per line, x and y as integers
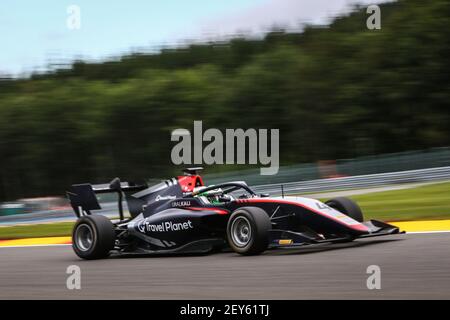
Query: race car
{"type": "Point", "coordinates": [182, 215]}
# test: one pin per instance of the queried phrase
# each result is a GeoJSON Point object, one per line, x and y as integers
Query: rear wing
{"type": "Point", "coordinates": [83, 197]}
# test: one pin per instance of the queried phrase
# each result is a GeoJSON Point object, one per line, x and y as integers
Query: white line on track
{"type": "Point", "coordinates": [62, 245]}
{"type": "Point", "coordinates": [425, 232]}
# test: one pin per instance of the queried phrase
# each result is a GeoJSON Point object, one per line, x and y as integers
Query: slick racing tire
{"type": "Point", "coordinates": [347, 207]}
{"type": "Point", "coordinates": [248, 230]}
{"type": "Point", "coordinates": [93, 237]}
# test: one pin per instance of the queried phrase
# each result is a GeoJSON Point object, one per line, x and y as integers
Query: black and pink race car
{"type": "Point", "coordinates": [183, 215]}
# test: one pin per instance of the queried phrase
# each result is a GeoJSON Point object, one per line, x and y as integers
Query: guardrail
{"type": "Point", "coordinates": [355, 182]}
{"type": "Point", "coordinates": [376, 164]}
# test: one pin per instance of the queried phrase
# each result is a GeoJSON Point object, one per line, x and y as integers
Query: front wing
{"type": "Point", "coordinates": [286, 238]}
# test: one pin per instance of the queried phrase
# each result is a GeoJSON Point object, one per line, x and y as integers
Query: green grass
{"type": "Point", "coordinates": [421, 203]}
{"type": "Point", "coordinates": [37, 230]}
{"type": "Point", "coordinates": [426, 202]}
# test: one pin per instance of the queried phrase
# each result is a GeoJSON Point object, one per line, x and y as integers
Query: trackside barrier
{"type": "Point", "coordinates": [368, 165]}
{"type": "Point", "coordinates": [357, 182]}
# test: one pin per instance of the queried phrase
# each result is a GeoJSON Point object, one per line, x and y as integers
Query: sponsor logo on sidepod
{"type": "Point", "coordinates": [145, 226]}
{"type": "Point", "coordinates": [159, 197]}
{"type": "Point", "coordinates": [181, 203]}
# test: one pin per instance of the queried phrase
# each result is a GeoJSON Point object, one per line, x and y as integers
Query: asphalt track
{"type": "Point", "coordinates": [413, 266]}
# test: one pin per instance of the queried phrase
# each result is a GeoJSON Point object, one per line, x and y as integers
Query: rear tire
{"type": "Point", "coordinates": [93, 237]}
{"type": "Point", "coordinates": [347, 207]}
{"type": "Point", "coordinates": [248, 230]}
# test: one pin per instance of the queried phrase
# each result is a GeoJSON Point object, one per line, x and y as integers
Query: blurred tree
{"type": "Point", "coordinates": [334, 91]}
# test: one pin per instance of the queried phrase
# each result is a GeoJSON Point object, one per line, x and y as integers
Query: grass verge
{"type": "Point", "coordinates": [57, 229]}
{"type": "Point", "coordinates": [430, 202]}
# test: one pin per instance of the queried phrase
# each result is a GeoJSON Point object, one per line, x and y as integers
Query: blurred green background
{"type": "Point", "coordinates": [335, 91]}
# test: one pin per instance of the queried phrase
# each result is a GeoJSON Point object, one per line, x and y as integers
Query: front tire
{"type": "Point", "coordinates": [93, 237]}
{"type": "Point", "coordinates": [248, 231]}
{"type": "Point", "coordinates": [347, 207]}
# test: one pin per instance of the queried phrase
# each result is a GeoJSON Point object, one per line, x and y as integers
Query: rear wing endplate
{"type": "Point", "coordinates": [83, 197]}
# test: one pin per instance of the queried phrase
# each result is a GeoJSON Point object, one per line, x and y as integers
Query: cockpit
{"type": "Point", "coordinates": [215, 196]}
{"type": "Point", "coordinates": [223, 193]}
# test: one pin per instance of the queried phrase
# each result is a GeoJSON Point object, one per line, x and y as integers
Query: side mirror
{"type": "Point", "coordinates": [264, 195]}
{"type": "Point", "coordinates": [115, 185]}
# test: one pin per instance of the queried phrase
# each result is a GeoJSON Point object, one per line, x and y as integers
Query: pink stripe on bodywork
{"type": "Point", "coordinates": [358, 226]}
